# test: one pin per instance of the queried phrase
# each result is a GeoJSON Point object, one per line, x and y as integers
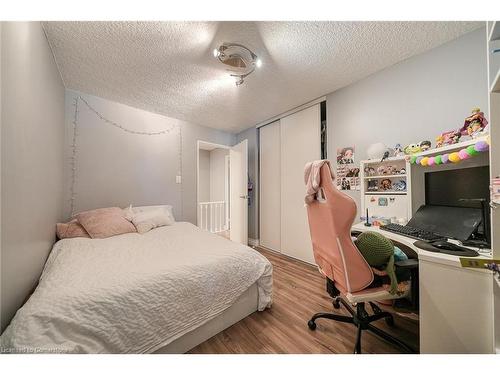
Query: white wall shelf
{"type": "Point", "coordinates": [451, 148]}
{"type": "Point", "coordinates": [385, 176]}
{"type": "Point", "coordinates": [388, 192]}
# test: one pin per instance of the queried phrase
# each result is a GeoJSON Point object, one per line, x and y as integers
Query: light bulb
{"type": "Point", "coordinates": [258, 63]}
{"type": "Point", "coordinates": [216, 52]}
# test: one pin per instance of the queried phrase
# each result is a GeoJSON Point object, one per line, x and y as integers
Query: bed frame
{"type": "Point", "coordinates": [244, 306]}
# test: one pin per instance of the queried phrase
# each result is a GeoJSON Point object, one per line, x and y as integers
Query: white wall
{"type": "Point", "coordinates": [116, 168]}
{"type": "Point", "coordinates": [204, 176]}
{"type": "Point", "coordinates": [218, 174]}
{"type": "Point", "coordinates": [32, 145]}
{"type": "Point", "coordinates": [412, 101]}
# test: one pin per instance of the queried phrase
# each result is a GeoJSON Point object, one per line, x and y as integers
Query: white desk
{"type": "Point", "coordinates": [456, 305]}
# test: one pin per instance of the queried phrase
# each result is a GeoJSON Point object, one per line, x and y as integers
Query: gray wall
{"type": "Point", "coordinates": [32, 158]}
{"type": "Point", "coordinates": [414, 100]}
{"type": "Point", "coordinates": [116, 168]}
{"type": "Point", "coordinates": [253, 162]}
{"type": "Point", "coordinates": [204, 176]}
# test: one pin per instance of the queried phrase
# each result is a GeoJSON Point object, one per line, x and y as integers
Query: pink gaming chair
{"type": "Point", "coordinates": [347, 272]}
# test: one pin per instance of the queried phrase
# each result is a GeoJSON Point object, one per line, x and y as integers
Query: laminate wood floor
{"type": "Point", "coordinates": [299, 292]}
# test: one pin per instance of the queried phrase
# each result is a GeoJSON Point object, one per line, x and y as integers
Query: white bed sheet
{"type": "Point", "coordinates": [134, 293]}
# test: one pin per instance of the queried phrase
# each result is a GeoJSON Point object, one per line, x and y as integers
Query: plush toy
{"type": "Point", "coordinates": [379, 253]}
{"type": "Point", "coordinates": [398, 150]}
{"type": "Point", "coordinates": [402, 171]}
{"type": "Point", "coordinates": [372, 185]}
{"type": "Point", "coordinates": [474, 124]}
{"type": "Point", "coordinates": [399, 185]}
{"type": "Point", "coordinates": [381, 170]}
{"type": "Point", "coordinates": [386, 184]}
{"type": "Point", "coordinates": [391, 169]}
{"type": "Point", "coordinates": [412, 148]}
{"type": "Point", "coordinates": [425, 145]}
{"type": "Point", "coordinates": [369, 171]}
{"type": "Point", "coordinates": [448, 138]}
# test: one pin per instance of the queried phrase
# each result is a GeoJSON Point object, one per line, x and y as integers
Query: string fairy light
{"type": "Point", "coordinates": [74, 151]}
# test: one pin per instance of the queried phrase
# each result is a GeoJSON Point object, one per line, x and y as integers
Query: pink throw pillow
{"type": "Point", "coordinates": [105, 222]}
{"type": "Point", "coordinates": [70, 229]}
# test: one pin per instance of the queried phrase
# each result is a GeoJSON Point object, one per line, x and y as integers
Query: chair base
{"type": "Point", "coordinates": [361, 319]}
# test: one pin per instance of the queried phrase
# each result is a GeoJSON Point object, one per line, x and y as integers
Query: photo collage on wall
{"type": "Point", "coordinates": [347, 172]}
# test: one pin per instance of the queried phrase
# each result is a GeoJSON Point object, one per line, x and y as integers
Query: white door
{"type": "Point", "coordinates": [270, 186]}
{"type": "Point", "coordinates": [238, 177]}
{"type": "Point", "coordinates": [300, 143]}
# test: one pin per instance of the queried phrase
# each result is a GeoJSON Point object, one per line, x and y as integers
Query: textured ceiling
{"type": "Point", "coordinates": [168, 67]}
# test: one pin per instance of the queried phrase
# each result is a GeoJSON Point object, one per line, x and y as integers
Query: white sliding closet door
{"type": "Point", "coordinates": [270, 186]}
{"type": "Point", "coordinates": [300, 143]}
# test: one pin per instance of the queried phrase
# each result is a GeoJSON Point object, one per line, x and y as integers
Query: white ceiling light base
{"type": "Point", "coordinates": [239, 60]}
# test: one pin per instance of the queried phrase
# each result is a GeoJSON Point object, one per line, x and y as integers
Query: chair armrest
{"type": "Point", "coordinates": [407, 264]}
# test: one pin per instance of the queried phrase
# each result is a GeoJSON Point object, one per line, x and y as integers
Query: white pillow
{"type": "Point", "coordinates": [130, 211]}
{"type": "Point", "coordinates": [147, 220]}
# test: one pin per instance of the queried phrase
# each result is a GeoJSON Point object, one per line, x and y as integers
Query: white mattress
{"type": "Point", "coordinates": [134, 293]}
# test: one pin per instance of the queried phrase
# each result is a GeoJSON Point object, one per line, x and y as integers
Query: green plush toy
{"type": "Point", "coordinates": [379, 253]}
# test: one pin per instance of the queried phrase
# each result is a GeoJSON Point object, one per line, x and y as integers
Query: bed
{"type": "Point", "coordinates": [164, 291]}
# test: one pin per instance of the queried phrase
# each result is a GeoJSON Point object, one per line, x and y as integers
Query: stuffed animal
{"type": "Point", "coordinates": [399, 185]}
{"type": "Point", "coordinates": [381, 170]}
{"type": "Point", "coordinates": [386, 184]}
{"type": "Point", "coordinates": [474, 124]}
{"type": "Point", "coordinates": [425, 145]}
{"type": "Point", "coordinates": [412, 148]}
{"type": "Point", "coordinates": [448, 138]}
{"type": "Point", "coordinates": [398, 150]}
{"type": "Point", "coordinates": [372, 185]}
{"type": "Point", "coordinates": [379, 253]}
{"type": "Point", "coordinates": [369, 171]}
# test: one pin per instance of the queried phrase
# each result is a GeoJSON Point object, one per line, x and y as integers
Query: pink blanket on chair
{"type": "Point", "coordinates": [312, 179]}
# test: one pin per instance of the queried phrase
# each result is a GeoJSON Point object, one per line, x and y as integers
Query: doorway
{"type": "Point", "coordinates": [222, 198]}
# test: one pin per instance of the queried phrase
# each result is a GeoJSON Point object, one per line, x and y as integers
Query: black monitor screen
{"type": "Point", "coordinates": [459, 189]}
{"type": "Point", "coordinates": [446, 188]}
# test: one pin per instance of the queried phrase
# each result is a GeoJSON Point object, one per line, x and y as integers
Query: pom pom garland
{"type": "Point", "coordinates": [462, 154]}
{"type": "Point", "coordinates": [454, 157]}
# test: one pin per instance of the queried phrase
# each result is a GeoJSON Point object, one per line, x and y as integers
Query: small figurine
{"type": "Point", "coordinates": [386, 184]}
{"type": "Point", "coordinates": [448, 138]}
{"type": "Point", "coordinates": [381, 170]}
{"type": "Point", "coordinates": [369, 171]}
{"type": "Point", "coordinates": [474, 124]}
{"type": "Point", "coordinates": [398, 150]}
{"type": "Point", "coordinates": [391, 169]}
{"type": "Point", "coordinates": [412, 148]}
{"type": "Point", "coordinates": [425, 145]}
{"type": "Point", "coordinates": [385, 156]}
{"type": "Point", "coordinates": [372, 185]}
{"type": "Point", "coordinates": [402, 171]}
{"type": "Point", "coordinates": [399, 185]}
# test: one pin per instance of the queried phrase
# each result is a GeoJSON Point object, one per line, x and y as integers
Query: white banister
{"type": "Point", "coordinates": [213, 216]}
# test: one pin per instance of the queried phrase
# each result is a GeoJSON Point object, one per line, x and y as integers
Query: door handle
{"type": "Point", "coordinates": [244, 196]}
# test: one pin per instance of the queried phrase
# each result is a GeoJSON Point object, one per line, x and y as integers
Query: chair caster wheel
{"type": "Point", "coordinates": [311, 325]}
{"type": "Point", "coordinates": [389, 321]}
{"type": "Point", "coordinates": [336, 304]}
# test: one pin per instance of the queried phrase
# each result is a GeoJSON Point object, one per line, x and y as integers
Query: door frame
{"type": "Point", "coordinates": [199, 143]}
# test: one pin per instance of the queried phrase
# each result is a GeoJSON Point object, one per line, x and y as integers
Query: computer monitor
{"type": "Point", "coordinates": [460, 188]}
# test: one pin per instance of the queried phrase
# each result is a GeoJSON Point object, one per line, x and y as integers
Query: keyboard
{"type": "Point", "coordinates": [411, 232]}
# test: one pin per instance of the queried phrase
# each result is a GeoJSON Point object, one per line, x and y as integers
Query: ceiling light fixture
{"type": "Point", "coordinates": [240, 61]}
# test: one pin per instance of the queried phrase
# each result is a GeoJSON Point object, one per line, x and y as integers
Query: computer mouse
{"type": "Point", "coordinates": [447, 245]}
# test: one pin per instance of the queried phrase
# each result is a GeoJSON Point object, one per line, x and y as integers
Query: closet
{"type": "Point", "coordinates": [285, 147]}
